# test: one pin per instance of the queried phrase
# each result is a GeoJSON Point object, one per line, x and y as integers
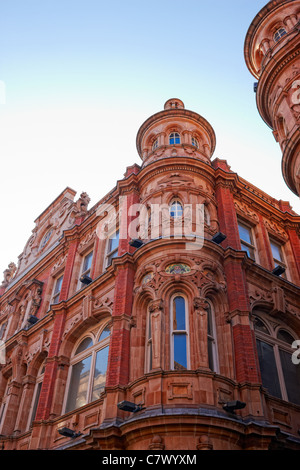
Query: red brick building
{"type": "Point", "coordinates": [195, 331]}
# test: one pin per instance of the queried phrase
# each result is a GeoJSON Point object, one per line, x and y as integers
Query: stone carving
{"type": "Point", "coordinates": [259, 296]}
{"type": "Point", "coordinates": [50, 225]}
{"type": "Point", "coordinates": [175, 179]}
{"type": "Point", "coordinates": [156, 443]}
{"type": "Point", "coordinates": [90, 236]}
{"type": "Point", "coordinates": [245, 210]}
{"type": "Point", "coordinates": [59, 263]}
{"type": "Point", "coordinates": [275, 228]}
{"type": "Point", "coordinates": [203, 273]}
{"type": "Point", "coordinates": [81, 204]}
{"type": "Point", "coordinates": [204, 443]}
{"type": "Point", "coordinates": [9, 274]}
{"type": "Point", "coordinates": [105, 302]}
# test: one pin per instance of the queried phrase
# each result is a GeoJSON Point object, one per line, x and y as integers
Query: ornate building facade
{"type": "Point", "coordinates": [164, 317]}
{"type": "Point", "coordinates": [272, 49]}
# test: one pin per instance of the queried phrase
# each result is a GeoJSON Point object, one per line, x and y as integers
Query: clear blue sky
{"type": "Point", "coordinates": [81, 76]}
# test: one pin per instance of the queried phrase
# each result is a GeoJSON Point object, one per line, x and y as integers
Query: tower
{"type": "Point", "coordinates": [272, 48]}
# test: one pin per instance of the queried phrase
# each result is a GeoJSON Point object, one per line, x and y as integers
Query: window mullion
{"type": "Point", "coordinates": [91, 378]}
{"type": "Point", "coordinates": [280, 373]}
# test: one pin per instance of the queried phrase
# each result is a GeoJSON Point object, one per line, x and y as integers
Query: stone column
{"type": "Point", "coordinates": [201, 332]}
{"type": "Point", "coordinates": [12, 407]}
{"type": "Point", "coordinates": [155, 309]}
{"type": "Point", "coordinates": [25, 404]}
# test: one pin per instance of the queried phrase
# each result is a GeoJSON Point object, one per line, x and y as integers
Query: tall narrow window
{"type": "Point", "coordinates": [112, 248]}
{"type": "Point", "coordinates": [176, 210]}
{"type": "Point", "coordinates": [179, 333]}
{"type": "Point", "coordinates": [155, 144]}
{"type": "Point", "coordinates": [87, 373]}
{"type": "Point", "coordinates": [211, 339]}
{"type": "Point", "coordinates": [57, 289]}
{"type": "Point", "coordinates": [149, 344]}
{"type": "Point", "coordinates": [3, 327]}
{"type": "Point", "coordinates": [86, 268]}
{"type": "Point", "coordinates": [277, 255]}
{"type": "Point", "coordinates": [195, 142]}
{"type": "Point", "coordinates": [246, 238]}
{"type": "Point", "coordinates": [36, 394]}
{"type": "Point", "coordinates": [174, 138]}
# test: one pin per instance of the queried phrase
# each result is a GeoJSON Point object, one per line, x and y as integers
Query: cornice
{"type": "Point", "coordinates": [254, 197]}
{"type": "Point", "coordinates": [161, 244]}
{"type": "Point", "coordinates": [178, 163]}
{"type": "Point", "coordinates": [278, 62]}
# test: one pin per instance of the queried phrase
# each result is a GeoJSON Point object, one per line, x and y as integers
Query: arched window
{"type": "Point", "coordinates": [174, 138]}
{"type": "Point", "coordinates": [87, 372]}
{"type": "Point", "coordinates": [155, 144]}
{"type": "Point", "coordinates": [176, 210]}
{"type": "Point", "coordinates": [148, 343]}
{"type": "Point", "coordinates": [211, 339]}
{"type": "Point", "coordinates": [36, 395]}
{"type": "Point", "coordinates": [279, 34]}
{"type": "Point", "coordinates": [179, 333]}
{"type": "Point", "coordinates": [279, 375]}
{"type": "Point", "coordinates": [195, 142]}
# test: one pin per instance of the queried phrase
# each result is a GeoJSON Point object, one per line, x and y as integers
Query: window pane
{"type": "Point", "coordinates": [210, 346]}
{"type": "Point", "coordinates": [209, 321]}
{"type": "Point", "coordinates": [268, 368]}
{"type": "Point", "coordinates": [113, 242]}
{"type": "Point", "coordinates": [179, 313]}
{"type": "Point", "coordinates": [180, 360]}
{"type": "Point", "coordinates": [245, 234]}
{"type": "Point", "coordinates": [79, 384]}
{"type": "Point", "coordinates": [36, 401]}
{"type": "Point", "coordinates": [100, 373]}
{"type": "Point", "coordinates": [58, 285]}
{"type": "Point", "coordinates": [87, 262]}
{"type": "Point", "coordinates": [85, 344]}
{"type": "Point", "coordinates": [110, 258]}
{"type": "Point", "coordinates": [176, 209]}
{"type": "Point", "coordinates": [285, 336]}
{"type": "Point", "coordinates": [291, 374]}
{"type": "Point", "coordinates": [276, 251]}
{"type": "Point", "coordinates": [150, 355]}
{"type": "Point", "coordinates": [260, 326]}
{"type": "Point", "coordinates": [249, 250]}
{"type": "Point", "coordinates": [105, 333]}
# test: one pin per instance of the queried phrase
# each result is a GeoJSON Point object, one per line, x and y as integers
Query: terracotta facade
{"type": "Point", "coordinates": [175, 326]}
{"type": "Point", "coordinates": [272, 50]}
